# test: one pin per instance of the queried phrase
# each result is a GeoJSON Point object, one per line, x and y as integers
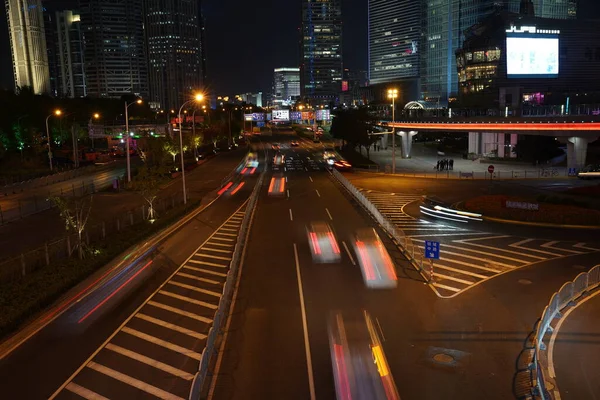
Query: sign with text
{"type": "Point", "coordinates": [521, 205]}
{"type": "Point", "coordinates": [432, 250]}
{"type": "Point", "coordinates": [281, 115]}
{"type": "Point", "coordinates": [323, 115]}
{"type": "Point", "coordinates": [307, 115]}
{"type": "Point", "coordinates": [296, 115]}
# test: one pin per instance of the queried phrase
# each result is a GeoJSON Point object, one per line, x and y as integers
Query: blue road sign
{"type": "Point", "coordinates": [432, 249]}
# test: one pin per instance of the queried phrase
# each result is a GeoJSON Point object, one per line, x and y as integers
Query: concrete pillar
{"type": "Point", "coordinates": [406, 139]}
{"type": "Point", "coordinates": [384, 141]}
{"type": "Point", "coordinates": [576, 152]}
{"type": "Point", "coordinates": [514, 139]}
{"type": "Point", "coordinates": [475, 142]}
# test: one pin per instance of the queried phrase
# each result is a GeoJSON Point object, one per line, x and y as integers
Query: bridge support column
{"type": "Point", "coordinates": [475, 143]}
{"type": "Point", "coordinates": [384, 141]}
{"type": "Point", "coordinates": [406, 138]}
{"type": "Point", "coordinates": [577, 151]}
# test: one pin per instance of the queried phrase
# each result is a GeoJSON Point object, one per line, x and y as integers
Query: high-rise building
{"type": "Point", "coordinates": [115, 57]}
{"type": "Point", "coordinates": [28, 44]}
{"type": "Point", "coordinates": [321, 45]}
{"type": "Point", "coordinates": [175, 61]}
{"type": "Point", "coordinates": [394, 35]}
{"type": "Point", "coordinates": [286, 86]}
{"type": "Point", "coordinates": [70, 54]}
{"type": "Point", "coordinates": [554, 9]}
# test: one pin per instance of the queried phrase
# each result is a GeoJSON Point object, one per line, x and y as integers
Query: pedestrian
{"type": "Point", "coordinates": [452, 164]}
{"type": "Point", "coordinates": [437, 166]}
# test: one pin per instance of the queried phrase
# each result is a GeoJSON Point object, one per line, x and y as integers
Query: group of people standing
{"type": "Point", "coordinates": [445, 165]}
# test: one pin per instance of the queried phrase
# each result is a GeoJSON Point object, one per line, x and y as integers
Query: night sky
{"type": "Point", "coordinates": [246, 40]}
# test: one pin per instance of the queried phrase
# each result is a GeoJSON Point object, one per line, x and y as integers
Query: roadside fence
{"type": "Point", "coordinates": [223, 311]}
{"type": "Point", "coordinates": [565, 297]}
{"type": "Point", "coordinates": [459, 174]}
{"type": "Point", "coordinates": [16, 268]}
{"type": "Point", "coordinates": [404, 242]}
{"type": "Point", "coordinates": [17, 184]}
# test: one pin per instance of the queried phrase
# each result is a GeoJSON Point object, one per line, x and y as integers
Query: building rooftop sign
{"type": "Point", "coordinates": [532, 29]}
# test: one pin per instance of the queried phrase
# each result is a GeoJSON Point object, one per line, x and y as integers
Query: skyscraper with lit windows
{"type": "Point", "coordinates": [321, 46]}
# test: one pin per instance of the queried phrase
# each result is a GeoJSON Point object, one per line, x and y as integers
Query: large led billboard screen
{"type": "Point", "coordinates": [532, 57]}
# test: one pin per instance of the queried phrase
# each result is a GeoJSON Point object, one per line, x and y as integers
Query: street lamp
{"type": "Point", "coordinates": [393, 94]}
{"type": "Point", "coordinates": [93, 117]}
{"type": "Point", "coordinates": [197, 98]}
{"type": "Point", "coordinates": [57, 113]}
{"type": "Point", "coordinates": [138, 101]}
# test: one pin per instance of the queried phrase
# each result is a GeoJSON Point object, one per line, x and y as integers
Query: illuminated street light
{"type": "Point", "coordinates": [138, 101]}
{"type": "Point", "coordinates": [393, 94]}
{"type": "Point", "coordinates": [198, 97]}
{"type": "Point", "coordinates": [56, 113]}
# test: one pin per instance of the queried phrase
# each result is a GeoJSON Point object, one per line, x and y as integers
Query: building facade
{"type": "Point", "coordinates": [28, 44]}
{"type": "Point", "coordinates": [394, 36]}
{"type": "Point", "coordinates": [70, 55]}
{"type": "Point", "coordinates": [286, 86]}
{"type": "Point", "coordinates": [115, 56]}
{"type": "Point", "coordinates": [174, 45]}
{"type": "Point", "coordinates": [321, 47]}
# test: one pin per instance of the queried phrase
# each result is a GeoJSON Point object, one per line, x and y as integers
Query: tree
{"type": "Point", "coordinates": [75, 212]}
{"type": "Point", "coordinates": [171, 147]}
{"type": "Point", "coordinates": [147, 183]}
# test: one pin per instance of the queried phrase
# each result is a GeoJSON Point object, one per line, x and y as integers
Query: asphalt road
{"type": "Point", "coordinates": [576, 352]}
{"type": "Point", "coordinates": [146, 344]}
{"type": "Point", "coordinates": [481, 330]}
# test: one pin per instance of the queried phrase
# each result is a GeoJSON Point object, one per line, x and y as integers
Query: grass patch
{"type": "Point", "coordinates": [355, 158]}
{"type": "Point", "coordinates": [566, 214]}
{"type": "Point", "coordinates": [39, 289]}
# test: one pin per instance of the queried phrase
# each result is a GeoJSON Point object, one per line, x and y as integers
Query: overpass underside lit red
{"type": "Point", "coordinates": [497, 126]}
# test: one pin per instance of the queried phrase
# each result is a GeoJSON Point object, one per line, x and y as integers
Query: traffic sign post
{"type": "Point", "coordinates": [432, 251]}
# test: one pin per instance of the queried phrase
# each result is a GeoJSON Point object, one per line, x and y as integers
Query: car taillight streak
{"type": "Point", "coordinates": [368, 267]}
{"type": "Point", "coordinates": [315, 242]}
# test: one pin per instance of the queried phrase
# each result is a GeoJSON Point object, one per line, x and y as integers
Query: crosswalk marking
{"type": "Point", "coordinates": [197, 278]}
{"type": "Point", "coordinates": [189, 299]}
{"type": "Point", "coordinates": [84, 392]}
{"type": "Point", "coordinates": [196, 289]}
{"type": "Point", "coordinates": [205, 271]}
{"type": "Point", "coordinates": [175, 310]}
{"type": "Point", "coordinates": [150, 361]}
{"type": "Point", "coordinates": [170, 326]}
{"type": "Point", "coordinates": [163, 343]}
{"type": "Point", "coordinates": [153, 390]}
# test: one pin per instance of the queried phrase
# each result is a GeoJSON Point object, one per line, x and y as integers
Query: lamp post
{"type": "Point", "coordinates": [198, 98]}
{"type": "Point", "coordinates": [138, 101]}
{"type": "Point", "coordinates": [393, 94]}
{"type": "Point", "coordinates": [57, 113]}
{"type": "Point", "coordinates": [95, 116]}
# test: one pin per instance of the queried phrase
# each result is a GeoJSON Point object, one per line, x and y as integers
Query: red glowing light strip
{"type": "Point", "coordinates": [271, 185]}
{"type": "Point", "coordinates": [282, 187]}
{"type": "Point", "coordinates": [315, 242]}
{"type": "Point", "coordinates": [244, 171]}
{"type": "Point", "coordinates": [252, 171]}
{"type": "Point", "coordinates": [115, 292]}
{"type": "Point", "coordinates": [341, 372]}
{"type": "Point", "coordinates": [387, 261]}
{"type": "Point", "coordinates": [534, 126]}
{"type": "Point", "coordinates": [234, 191]}
{"type": "Point", "coordinates": [367, 263]}
{"type": "Point", "coordinates": [220, 192]}
{"type": "Point", "coordinates": [334, 244]}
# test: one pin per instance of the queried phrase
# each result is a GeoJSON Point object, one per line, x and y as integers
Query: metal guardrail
{"type": "Point", "coordinates": [541, 173]}
{"type": "Point", "coordinates": [404, 242]}
{"type": "Point", "coordinates": [19, 185]}
{"type": "Point", "coordinates": [226, 297]}
{"type": "Point", "coordinates": [564, 297]}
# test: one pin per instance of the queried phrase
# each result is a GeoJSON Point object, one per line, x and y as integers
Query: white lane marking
{"type": "Point", "coordinates": [229, 229]}
{"type": "Point", "coordinates": [198, 278]}
{"type": "Point", "coordinates": [225, 234]}
{"type": "Point", "coordinates": [451, 278]}
{"type": "Point", "coordinates": [460, 271]}
{"type": "Point", "coordinates": [466, 264]}
{"type": "Point", "coordinates": [380, 329]}
{"type": "Point", "coordinates": [162, 343]}
{"type": "Point", "coordinates": [550, 245]}
{"type": "Point", "coordinates": [548, 253]}
{"type": "Point", "coordinates": [288, 193]}
{"type": "Point", "coordinates": [521, 243]}
{"type": "Point", "coordinates": [220, 244]}
{"type": "Point", "coordinates": [175, 310]}
{"type": "Point", "coordinates": [211, 256]}
{"type": "Point", "coordinates": [84, 392]}
{"type": "Point", "coordinates": [454, 234]}
{"type": "Point", "coordinates": [208, 263]}
{"type": "Point", "coordinates": [467, 241]}
{"type": "Point", "coordinates": [150, 361]}
{"type": "Point", "coordinates": [583, 246]}
{"type": "Point", "coordinates": [195, 289]}
{"type": "Point", "coordinates": [170, 326]}
{"type": "Point", "coordinates": [318, 194]}
{"type": "Point", "coordinates": [484, 260]}
{"type": "Point", "coordinates": [216, 250]}
{"type": "Point", "coordinates": [291, 216]}
{"type": "Point", "coordinates": [480, 252]}
{"type": "Point", "coordinates": [551, 370]}
{"type": "Point", "coordinates": [310, 177]}
{"type": "Point", "coordinates": [205, 271]}
{"type": "Point", "coordinates": [311, 383]}
{"type": "Point", "coordinates": [286, 179]}
{"type": "Point", "coordinates": [450, 288]}
{"type": "Point", "coordinates": [223, 239]}
{"type": "Point", "coordinates": [348, 251]}
{"type": "Point", "coordinates": [328, 213]}
{"type": "Point", "coordinates": [153, 390]}
{"type": "Point", "coordinates": [188, 299]}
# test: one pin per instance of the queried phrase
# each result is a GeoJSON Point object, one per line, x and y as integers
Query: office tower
{"type": "Point", "coordinates": [174, 43]}
{"type": "Point", "coordinates": [115, 58]}
{"type": "Point", "coordinates": [554, 9]}
{"type": "Point", "coordinates": [394, 35]}
{"type": "Point", "coordinates": [69, 40]}
{"type": "Point", "coordinates": [28, 44]}
{"type": "Point", "coordinates": [286, 86]}
{"type": "Point", "coordinates": [321, 45]}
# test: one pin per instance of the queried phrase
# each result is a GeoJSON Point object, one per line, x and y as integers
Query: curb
{"type": "Point", "coordinates": [539, 224]}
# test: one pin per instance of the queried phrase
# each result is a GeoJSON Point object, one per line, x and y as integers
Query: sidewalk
{"type": "Point", "coordinates": [35, 230]}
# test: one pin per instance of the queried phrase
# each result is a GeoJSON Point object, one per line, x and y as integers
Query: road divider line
{"type": "Point", "coordinates": [291, 216]}
{"type": "Point", "coordinates": [84, 392]}
{"type": "Point", "coordinates": [150, 361]}
{"type": "Point", "coordinates": [318, 194]}
{"type": "Point", "coordinates": [153, 390]}
{"type": "Point", "coordinates": [310, 177]}
{"type": "Point", "coordinates": [328, 213]}
{"type": "Point", "coordinates": [311, 383]}
{"type": "Point", "coordinates": [349, 254]}
{"type": "Point", "coordinates": [188, 299]}
{"type": "Point", "coordinates": [288, 193]}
